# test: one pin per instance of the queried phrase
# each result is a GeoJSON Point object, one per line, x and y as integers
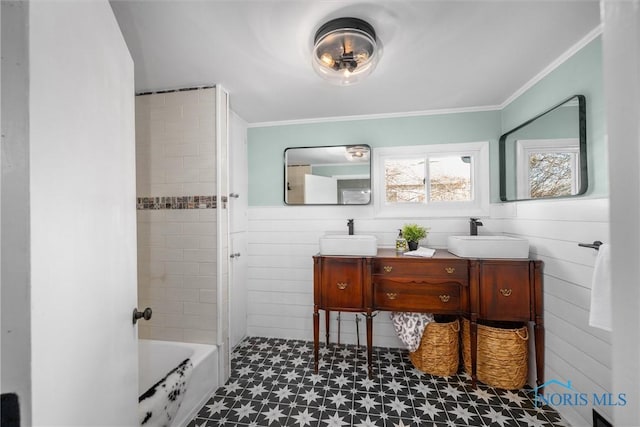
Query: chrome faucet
{"type": "Point", "coordinates": [474, 223]}
{"type": "Point", "coordinates": [350, 225]}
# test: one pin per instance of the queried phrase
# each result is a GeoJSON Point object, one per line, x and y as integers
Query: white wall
{"type": "Point", "coordinates": [16, 323]}
{"type": "Point", "coordinates": [574, 351]}
{"type": "Point", "coordinates": [82, 203]}
{"type": "Point", "coordinates": [176, 156]}
{"type": "Point", "coordinates": [622, 67]}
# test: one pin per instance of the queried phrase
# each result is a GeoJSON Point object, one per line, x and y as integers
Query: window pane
{"type": "Point", "coordinates": [450, 178]}
{"type": "Point", "coordinates": [404, 180]}
{"type": "Point", "coordinates": [551, 174]}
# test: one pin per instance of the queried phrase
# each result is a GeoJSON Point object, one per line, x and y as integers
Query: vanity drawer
{"type": "Point", "coordinates": [416, 296]}
{"type": "Point", "coordinates": [441, 269]}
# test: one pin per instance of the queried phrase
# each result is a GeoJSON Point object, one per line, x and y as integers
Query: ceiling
{"type": "Point", "coordinates": [437, 55]}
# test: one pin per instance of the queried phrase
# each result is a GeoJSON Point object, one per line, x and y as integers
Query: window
{"type": "Point", "coordinates": [547, 168]}
{"type": "Point", "coordinates": [432, 180]}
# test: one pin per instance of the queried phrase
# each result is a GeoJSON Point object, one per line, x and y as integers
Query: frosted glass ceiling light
{"type": "Point", "coordinates": [345, 51]}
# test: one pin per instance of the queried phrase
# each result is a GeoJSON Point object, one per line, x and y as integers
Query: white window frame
{"type": "Point", "coordinates": [526, 147]}
{"type": "Point", "coordinates": [480, 184]}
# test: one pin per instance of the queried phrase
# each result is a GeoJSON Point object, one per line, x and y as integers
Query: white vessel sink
{"type": "Point", "coordinates": [488, 247]}
{"type": "Point", "coordinates": [344, 244]}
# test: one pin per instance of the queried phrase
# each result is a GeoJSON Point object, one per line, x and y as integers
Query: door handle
{"type": "Point", "coordinates": [235, 255]}
{"type": "Point", "coordinates": [146, 314]}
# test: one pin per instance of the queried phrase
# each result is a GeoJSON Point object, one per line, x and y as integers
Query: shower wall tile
{"type": "Point", "coordinates": [199, 336]}
{"type": "Point", "coordinates": [176, 181]}
{"type": "Point", "coordinates": [207, 296]}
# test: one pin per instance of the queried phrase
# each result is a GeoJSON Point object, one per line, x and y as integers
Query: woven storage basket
{"type": "Point", "coordinates": [438, 353]}
{"type": "Point", "coordinates": [502, 355]}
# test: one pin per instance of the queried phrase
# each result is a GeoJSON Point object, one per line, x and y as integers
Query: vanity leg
{"type": "Point", "coordinates": [316, 337]}
{"type": "Point", "coordinates": [369, 322]}
{"type": "Point", "coordinates": [327, 320]}
{"type": "Point", "coordinates": [473, 332]}
{"type": "Point", "coordinates": [539, 344]}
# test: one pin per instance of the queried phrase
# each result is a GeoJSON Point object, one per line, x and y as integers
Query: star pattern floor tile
{"type": "Point", "coordinates": [272, 383]}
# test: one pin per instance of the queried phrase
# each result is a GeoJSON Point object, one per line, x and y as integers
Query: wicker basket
{"type": "Point", "coordinates": [438, 353]}
{"type": "Point", "coordinates": [502, 355]}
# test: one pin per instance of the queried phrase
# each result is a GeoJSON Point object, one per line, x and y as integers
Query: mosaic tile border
{"type": "Point", "coordinates": [178, 202]}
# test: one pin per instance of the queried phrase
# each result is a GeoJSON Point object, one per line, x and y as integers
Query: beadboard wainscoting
{"type": "Point", "coordinates": [575, 351]}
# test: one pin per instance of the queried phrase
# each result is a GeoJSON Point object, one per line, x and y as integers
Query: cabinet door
{"type": "Point", "coordinates": [505, 291]}
{"type": "Point", "coordinates": [341, 286]}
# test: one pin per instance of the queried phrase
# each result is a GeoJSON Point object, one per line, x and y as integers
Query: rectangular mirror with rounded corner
{"type": "Point", "coordinates": [546, 157]}
{"type": "Point", "coordinates": [329, 175]}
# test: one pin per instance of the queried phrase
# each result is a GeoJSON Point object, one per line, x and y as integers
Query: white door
{"type": "Point", "coordinates": [82, 217]}
{"type": "Point", "coordinates": [320, 189]}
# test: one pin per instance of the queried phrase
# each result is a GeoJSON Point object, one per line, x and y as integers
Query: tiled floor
{"type": "Point", "coordinates": [273, 384]}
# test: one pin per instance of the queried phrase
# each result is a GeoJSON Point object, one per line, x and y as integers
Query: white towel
{"type": "Point", "coordinates": [423, 252]}
{"type": "Point", "coordinates": [600, 313]}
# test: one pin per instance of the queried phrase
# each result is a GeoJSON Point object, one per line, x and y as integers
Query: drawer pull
{"type": "Point", "coordinates": [392, 295]}
{"type": "Point", "coordinates": [450, 270]}
{"type": "Point", "coordinates": [505, 292]}
{"type": "Point", "coordinates": [387, 268]}
{"type": "Point", "coordinates": [342, 285]}
{"type": "Point", "coordinates": [445, 298]}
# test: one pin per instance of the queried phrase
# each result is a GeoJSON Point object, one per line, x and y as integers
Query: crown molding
{"type": "Point", "coordinates": [377, 116]}
{"type": "Point", "coordinates": [555, 64]}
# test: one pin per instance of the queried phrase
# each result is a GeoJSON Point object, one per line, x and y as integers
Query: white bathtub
{"type": "Point", "coordinates": [157, 358]}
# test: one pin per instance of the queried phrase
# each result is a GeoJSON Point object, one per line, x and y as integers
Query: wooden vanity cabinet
{"type": "Point", "coordinates": [480, 289]}
{"type": "Point", "coordinates": [338, 284]}
{"type": "Point", "coordinates": [507, 290]}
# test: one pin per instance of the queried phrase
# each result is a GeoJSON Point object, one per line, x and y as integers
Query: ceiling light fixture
{"type": "Point", "coordinates": [345, 50]}
{"type": "Point", "coordinates": [357, 153]}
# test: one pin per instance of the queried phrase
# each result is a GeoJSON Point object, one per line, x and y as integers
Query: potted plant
{"type": "Point", "coordinates": [414, 233]}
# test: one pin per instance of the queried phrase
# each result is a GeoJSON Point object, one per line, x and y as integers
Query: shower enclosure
{"type": "Point", "coordinates": [182, 206]}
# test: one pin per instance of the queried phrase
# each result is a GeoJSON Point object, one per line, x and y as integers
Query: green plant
{"type": "Point", "coordinates": [414, 232]}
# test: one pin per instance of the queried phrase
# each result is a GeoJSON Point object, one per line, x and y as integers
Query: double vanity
{"type": "Point", "coordinates": [478, 288]}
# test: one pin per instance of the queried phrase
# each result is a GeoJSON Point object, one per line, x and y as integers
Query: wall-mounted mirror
{"type": "Point", "coordinates": [336, 175]}
{"type": "Point", "coordinates": [546, 157]}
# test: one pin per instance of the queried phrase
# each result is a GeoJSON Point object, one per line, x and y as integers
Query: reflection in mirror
{"type": "Point", "coordinates": [336, 175]}
{"type": "Point", "coordinates": [546, 157]}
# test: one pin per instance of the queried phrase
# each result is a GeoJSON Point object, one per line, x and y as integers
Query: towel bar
{"type": "Point", "coordinates": [595, 245]}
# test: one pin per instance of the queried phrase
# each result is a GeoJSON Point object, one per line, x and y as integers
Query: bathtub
{"type": "Point", "coordinates": [157, 358]}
